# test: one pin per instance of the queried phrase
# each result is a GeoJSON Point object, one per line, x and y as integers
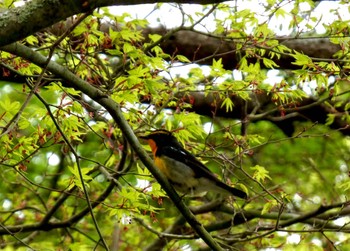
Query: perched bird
{"type": "Point", "coordinates": [187, 174]}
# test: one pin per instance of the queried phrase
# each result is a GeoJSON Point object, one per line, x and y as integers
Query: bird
{"type": "Point", "coordinates": [183, 170]}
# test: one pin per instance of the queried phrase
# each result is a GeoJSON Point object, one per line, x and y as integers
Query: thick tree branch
{"type": "Point", "coordinates": [311, 218]}
{"type": "Point", "coordinates": [202, 48]}
{"type": "Point", "coordinates": [260, 107]}
{"type": "Point", "coordinates": [20, 22]}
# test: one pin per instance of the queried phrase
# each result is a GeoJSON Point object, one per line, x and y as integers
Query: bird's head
{"type": "Point", "coordinates": [160, 138]}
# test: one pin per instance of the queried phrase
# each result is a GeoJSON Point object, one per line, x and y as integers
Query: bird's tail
{"type": "Point", "coordinates": [233, 191]}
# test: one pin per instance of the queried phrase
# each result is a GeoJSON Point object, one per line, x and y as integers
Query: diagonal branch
{"type": "Point", "coordinates": [114, 109]}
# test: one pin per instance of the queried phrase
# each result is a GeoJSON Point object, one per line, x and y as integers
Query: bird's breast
{"type": "Point", "coordinates": [179, 174]}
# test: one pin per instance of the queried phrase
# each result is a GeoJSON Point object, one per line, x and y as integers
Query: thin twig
{"type": "Point", "coordinates": [14, 236]}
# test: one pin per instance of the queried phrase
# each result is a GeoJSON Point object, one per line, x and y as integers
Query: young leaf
{"type": "Point", "coordinates": [228, 104]}
{"type": "Point", "coordinates": [260, 173]}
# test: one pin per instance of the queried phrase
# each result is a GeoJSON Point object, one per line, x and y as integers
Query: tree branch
{"type": "Point", "coordinates": [20, 22]}
{"type": "Point", "coordinates": [115, 111]}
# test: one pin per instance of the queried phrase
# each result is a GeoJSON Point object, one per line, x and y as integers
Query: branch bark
{"type": "Point", "coordinates": [308, 109]}
{"type": "Point", "coordinates": [202, 48]}
{"type": "Point", "coordinates": [20, 22]}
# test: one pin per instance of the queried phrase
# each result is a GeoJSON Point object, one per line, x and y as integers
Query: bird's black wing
{"type": "Point", "coordinates": [187, 158]}
{"type": "Point", "coordinates": [180, 154]}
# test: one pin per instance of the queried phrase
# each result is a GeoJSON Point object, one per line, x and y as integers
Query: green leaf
{"type": "Point", "coordinates": [269, 63]}
{"type": "Point", "coordinates": [330, 119]}
{"type": "Point", "coordinates": [80, 29]}
{"type": "Point", "coordinates": [32, 40]}
{"type": "Point", "coordinates": [23, 123]}
{"type": "Point", "coordinates": [301, 59]}
{"type": "Point", "coordinates": [144, 173]}
{"type": "Point", "coordinates": [268, 206]}
{"type": "Point", "coordinates": [154, 37]}
{"type": "Point", "coordinates": [280, 12]}
{"type": "Point", "coordinates": [76, 176]}
{"type": "Point", "coordinates": [127, 48]}
{"type": "Point", "coordinates": [260, 173]}
{"type": "Point", "coordinates": [345, 186]}
{"type": "Point", "coordinates": [347, 106]}
{"type": "Point", "coordinates": [10, 106]}
{"type": "Point", "coordinates": [228, 104]}
{"type": "Point", "coordinates": [8, 3]}
{"type": "Point", "coordinates": [217, 64]}
{"type": "Point", "coordinates": [183, 59]}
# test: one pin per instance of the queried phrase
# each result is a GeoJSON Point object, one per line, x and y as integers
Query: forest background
{"type": "Point", "coordinates": [258, 90]}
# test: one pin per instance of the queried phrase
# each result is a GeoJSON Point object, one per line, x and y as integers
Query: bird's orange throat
{"type": "Point", "coordinates": [158, 161]}
{"type": "Point", "coordinates": [153, 146]}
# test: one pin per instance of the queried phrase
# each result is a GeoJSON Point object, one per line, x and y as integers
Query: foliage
{"type": "Point", "coordinates": [68, 169]}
